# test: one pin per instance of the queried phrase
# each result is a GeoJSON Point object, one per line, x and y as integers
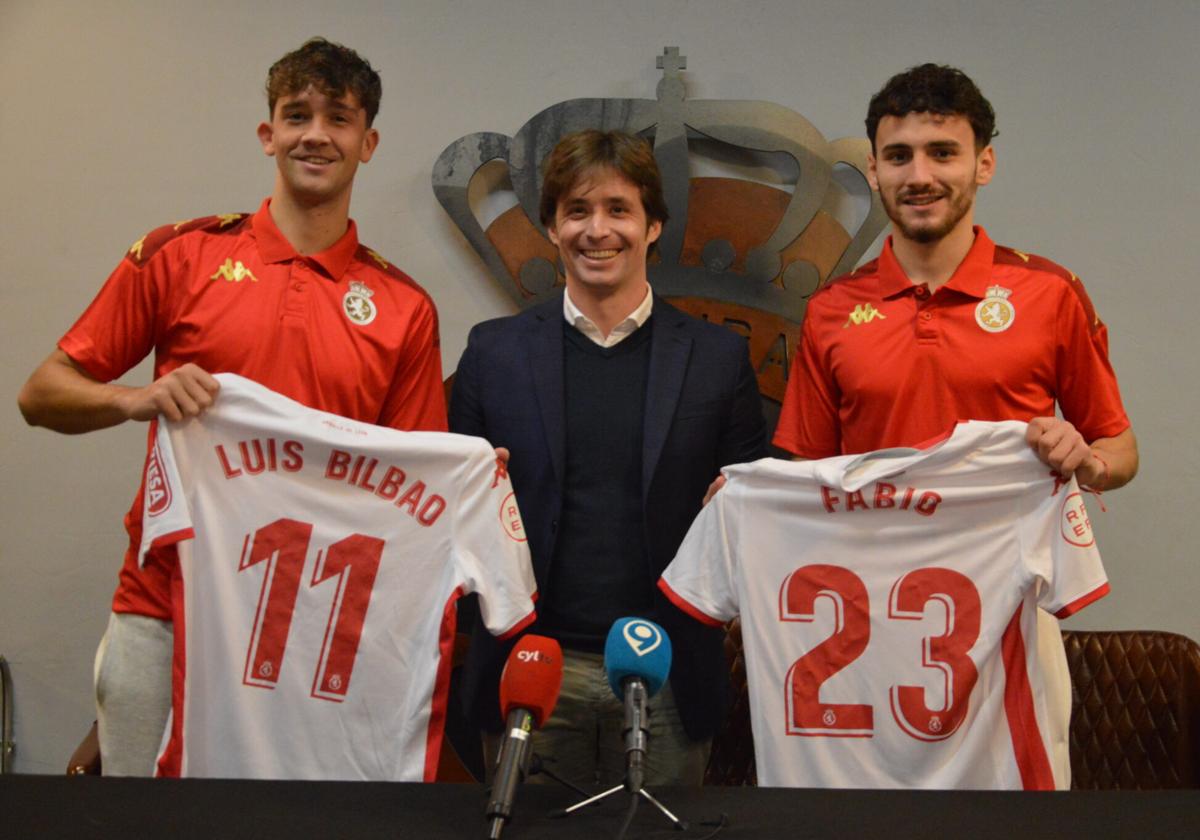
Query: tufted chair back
{"type": "Point", "coordinates": [1135, 721]}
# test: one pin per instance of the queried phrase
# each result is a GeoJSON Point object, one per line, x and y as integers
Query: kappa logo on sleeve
{"type": "Point", "coordinates": [1076, 526]}
{"type": "Point", "coordinates": [158, 489]}
{"type": "Point", "coordinates": [510, 518]}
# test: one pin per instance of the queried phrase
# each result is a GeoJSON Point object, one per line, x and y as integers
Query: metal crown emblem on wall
{"type": "Point", "coordinates": [736, 251]}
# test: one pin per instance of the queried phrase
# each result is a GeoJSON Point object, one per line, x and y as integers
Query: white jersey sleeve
{"type": "Point", "coordinates": [1060, 550]}
{"type": "Point", "coordinates": [320, 562]}
{"type": "Point", "coordinates": [166, 519]}
{"type": "Point", "coordinates": [705, 587]}
{"type": "Point", "coordinates": [490, 548]}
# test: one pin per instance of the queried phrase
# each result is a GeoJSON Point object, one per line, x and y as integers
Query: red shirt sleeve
{"type": "Point", "coordinates": [119, 327]}
{"type": "Point", "coordinates": [1087, 389]}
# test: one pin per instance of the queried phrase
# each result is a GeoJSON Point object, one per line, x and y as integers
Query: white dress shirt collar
{"type": "Point", "coordinates": [620, 332]}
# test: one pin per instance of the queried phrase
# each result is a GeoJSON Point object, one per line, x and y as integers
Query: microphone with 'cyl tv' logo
{"type": "Point", "coordinates": [637, 659]}
{"type": "Point", "coordinates": [529, 689]}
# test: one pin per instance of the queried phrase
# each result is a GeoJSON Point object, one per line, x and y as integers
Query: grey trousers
{"type": "Point", "coordinates": [133, 693]}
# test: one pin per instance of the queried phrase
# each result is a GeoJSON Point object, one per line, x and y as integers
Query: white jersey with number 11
{"type": "Point", "coordinates": [319, 563]}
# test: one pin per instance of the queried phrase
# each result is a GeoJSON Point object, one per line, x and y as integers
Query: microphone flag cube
{"type": "Point", "coordinates": [532, 677]}
{"type": "Point", "coordinates": [638, 648]}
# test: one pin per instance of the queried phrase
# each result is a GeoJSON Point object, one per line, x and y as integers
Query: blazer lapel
{"type": "Point", "coordinates": [544, 344]}
{"type": "Point", "coordinates": [669, 351]}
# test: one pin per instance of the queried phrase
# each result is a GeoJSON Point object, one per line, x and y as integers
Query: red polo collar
{"type": "Point", "coordinates": [972, 277]}
{"type": "Point", "coordinates": [273, 246]}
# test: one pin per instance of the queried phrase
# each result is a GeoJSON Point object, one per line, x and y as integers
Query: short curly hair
{"type": "Point", "coordinates": [331, 69]}
{"type": "Point", "coordinates": [934, 89]}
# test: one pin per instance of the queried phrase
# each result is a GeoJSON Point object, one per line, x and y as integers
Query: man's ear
{"type": "Point", "coordinates": [872, 175]}
{"type": "Point", "coordinates": [370, 144]}
{"type": "Point", "coordinates": [266, 136]}
{"type": "Point", "coordinates": [653, 231]}
{"type": "Point", "coordinates": [985, 166]}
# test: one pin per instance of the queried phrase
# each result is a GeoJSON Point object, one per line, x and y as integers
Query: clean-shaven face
{"type": "Point", "coordinates": [318, 142]}
{"type": "Point", "coordinates": [602, 233]}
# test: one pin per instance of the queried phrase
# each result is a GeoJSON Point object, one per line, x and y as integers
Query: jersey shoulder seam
{"type": "Point", "coordinates": [224, 224]}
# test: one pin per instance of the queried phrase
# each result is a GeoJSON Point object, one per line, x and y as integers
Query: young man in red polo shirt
{"type": "Point", "coordinates": [946, 325]}
{"type": "Point", "coordinates": [286, 296]}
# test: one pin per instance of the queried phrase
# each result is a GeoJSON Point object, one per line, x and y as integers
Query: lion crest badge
{"type": "Point", "coordinates": [357, 304]}
{"type": "Point", "coordinates": [995, 313]}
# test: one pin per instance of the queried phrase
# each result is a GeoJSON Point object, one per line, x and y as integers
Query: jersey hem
{"type": "Point", "coordinates": [686, 606]}
{"type": "Point", "coordinates": [1079, 603]}
{"type": "Point", "coordinates": [166, 540]}
{"type": "Point", "coordinates": [519, 626]}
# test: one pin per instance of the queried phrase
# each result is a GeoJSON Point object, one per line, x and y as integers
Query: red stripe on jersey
{"type": "Point", "coordinates": [441, 685]}
{"type": "Point", "coordinates": [1028, 747]}
{"type": "Point", "coordinates": [689, 608]}
{"type": "Point", "coordinates": [170, 761]}
{"type": "Point", "coordinates": [167, 540]}
{"type": "Point", "coordinates": [520, 625]}
{"type": "Point", "coordinates": [1079, 603]}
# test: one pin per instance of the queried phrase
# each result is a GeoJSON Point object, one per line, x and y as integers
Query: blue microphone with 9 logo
{"type": "Point", "coordinates": [637, 660]}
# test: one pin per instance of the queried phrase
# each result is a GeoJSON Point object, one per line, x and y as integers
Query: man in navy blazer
{"type": "Point", "coordinates": [618, 411]}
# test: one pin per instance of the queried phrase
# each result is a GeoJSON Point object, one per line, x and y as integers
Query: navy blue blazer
{"type": "Point", "coordinates": [703, 411]}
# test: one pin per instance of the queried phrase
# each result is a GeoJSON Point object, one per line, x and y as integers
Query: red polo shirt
{"type": "Point", "coordinates": [343, 331]}
{"type": "Point", "coordinates": [883, 363]}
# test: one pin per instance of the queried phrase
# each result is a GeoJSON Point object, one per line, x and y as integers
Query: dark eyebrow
{"type": "Point", "coordinates": [895, 147]}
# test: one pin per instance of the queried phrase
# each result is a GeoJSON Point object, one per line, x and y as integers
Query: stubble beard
{"type": "Point", "coordinates": [959, 201]}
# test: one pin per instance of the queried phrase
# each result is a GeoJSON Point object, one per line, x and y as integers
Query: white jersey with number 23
{"type": "Point", "coordinates": [888, 605]}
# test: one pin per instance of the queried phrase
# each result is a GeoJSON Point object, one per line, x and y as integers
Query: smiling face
{"type": "Point", "coordinates": [927, 170]}
{"type": "Point", "coordinates": [603, 234]}
{"type": "Point", "coordinates": [318, 141]}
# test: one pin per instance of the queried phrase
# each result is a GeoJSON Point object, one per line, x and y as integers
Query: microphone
{"type": "Point", "coordinates": [637, 659]}
{"type": "Point", "coordinates": [528, 691]}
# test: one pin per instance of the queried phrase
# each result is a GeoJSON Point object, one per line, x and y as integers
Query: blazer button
{"type": "Point", "coordinates": [553, 524]}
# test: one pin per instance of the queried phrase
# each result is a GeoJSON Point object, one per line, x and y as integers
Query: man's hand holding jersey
{"type": "Point", "coordinates": [1105, 464]}
{"type": "Point", "coordinates": [62, 395]}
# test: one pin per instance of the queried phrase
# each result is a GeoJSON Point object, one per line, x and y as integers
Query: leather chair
{"type": "Point", "coordinates": [731, 761]}
{"type": "Point", "coordinates": [1135, 722]}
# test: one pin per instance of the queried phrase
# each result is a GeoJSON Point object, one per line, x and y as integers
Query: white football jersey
{"type": "Point", "coordinates": [889, 609]}
{"type": "Point", "coordinates": [320, 561]}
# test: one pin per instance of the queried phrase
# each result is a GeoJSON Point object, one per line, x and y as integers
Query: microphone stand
{"type": "Point", "coordinates": [636, 736]}
{"type": "Point", "coordinates": [537, 764]}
